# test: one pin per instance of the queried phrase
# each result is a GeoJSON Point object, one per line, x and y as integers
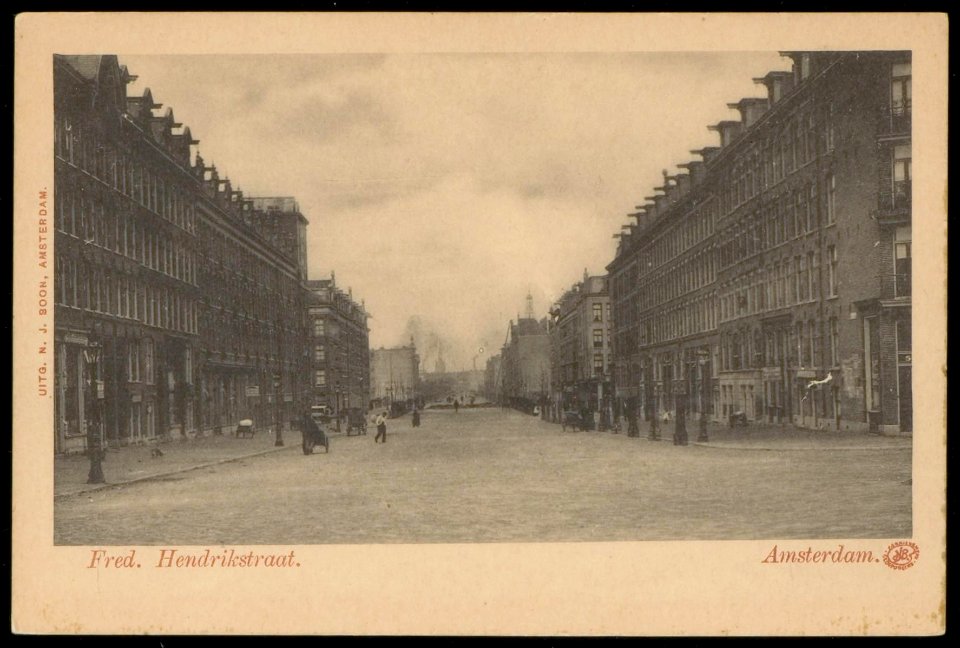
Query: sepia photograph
{"type": "Point", "coordinates": [305, 301]}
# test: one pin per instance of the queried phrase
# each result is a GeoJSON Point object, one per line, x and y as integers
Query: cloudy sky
{"type": "Point", "coordinates": [443, 187]}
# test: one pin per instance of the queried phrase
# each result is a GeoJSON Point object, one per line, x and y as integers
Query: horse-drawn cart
{"type": "Point", "coordinates": [313, 433]}
{"type": "Point", "coordinates": [356, 421]}
{"type": "Point", "coordinates": [573, 420]}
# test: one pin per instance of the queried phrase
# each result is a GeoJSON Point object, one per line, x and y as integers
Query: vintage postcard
{"type": "Point", "coordinates": [480, 324]}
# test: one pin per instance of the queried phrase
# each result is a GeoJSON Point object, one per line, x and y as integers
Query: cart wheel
{"type": "Point", "coordinates": [308, 444]}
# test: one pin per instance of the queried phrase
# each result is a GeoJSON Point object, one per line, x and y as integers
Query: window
{"type": "Point", "coordinates": [597, 364]}
{"type": "Point", "coordinates": [148, 360]}
{"type": "Point", "coordinates": [832, 270]}
{"type": "Point", "coordinates": [831, 199]}
{"type": "Point", "coordinates": [319, 353]}
{"type": "Point", "coordinates": [135, 420]}
{"type": "Point", "coordinates": [834, 343]}
{"type": "Point", "coordinates": [902, 261]}
{"type": "Point", "coordinates": [598, 312]}
{"type": "Point", "coordinates": [904, 341]}
{"type": "Point", "coordinates": [803, 280]}
{"type": "Point", "coordinates": [829, 137]}
{"type": "Point", "coordinates": [133, 361]}
{"type": "Point", "coordinates": [799, 212]}
{"type": "Point", "coordinates": [796, 280]}
{"type": "Point", "coordinates": [319, 328]}
{"type": "Point", "coordinates": [901, 175]}
{"type": "Point", "coordinates": [597, 338]}
{"type": "Point", "coordinates": [813, 337]}
{"type": "Point", "coordinates": [320, 378]}
{"type": "Point", "coordinates": [900, 91]}
{"type": "Point", "coordinates": [801, 346]}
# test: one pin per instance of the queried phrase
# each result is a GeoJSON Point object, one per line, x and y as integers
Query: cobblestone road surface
{"type": "Point", "coordinates": [492, 476]}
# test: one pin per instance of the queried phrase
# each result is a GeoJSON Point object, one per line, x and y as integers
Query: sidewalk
{"type": "Point", "coordinates": [763, 436]}
{"type": "Point", "coordinates": [760, 436]}
{"type": "Point", "coordinates": [137, 463]}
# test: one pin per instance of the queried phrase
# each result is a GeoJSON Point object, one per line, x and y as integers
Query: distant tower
{"type": "Point", "coordinates": [529, 305]}
{"type": "Point", "coordinates": [440, 366]}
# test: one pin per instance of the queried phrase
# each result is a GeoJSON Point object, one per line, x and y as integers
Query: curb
{"type": "Point", "coordinates": [137, 480]}
{"type": "Point", "coordinates": [726, 446]}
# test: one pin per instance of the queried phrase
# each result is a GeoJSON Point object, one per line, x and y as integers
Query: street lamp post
{"type": "Point", "coordinates": [702, 356]}
{"type": "Point", "coordinates": [278, 398]}
{"type": "Point", "coordinates": [94, 432]}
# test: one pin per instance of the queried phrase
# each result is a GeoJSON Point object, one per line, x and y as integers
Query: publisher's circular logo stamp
{"type": "Point", "coordinates": [901, 555]}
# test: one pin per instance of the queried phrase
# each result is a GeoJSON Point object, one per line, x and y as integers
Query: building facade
{"type": "Point", "coordinates": [394, 374]}
{"type": "Point", "coordinates": [340, 350]}
{"type": "Point", "coordinates": [772, 278]}
{"type": "Point", "coordinates": [166, 300]}
{"type": "Point", "coordinates": [525, 364]}
{"type": "Point", "coordinates": [253, 332]}
{"type": "Point", "coordinates": [581, 335]}
{"type": "Point", "coordinates": [492, 379]}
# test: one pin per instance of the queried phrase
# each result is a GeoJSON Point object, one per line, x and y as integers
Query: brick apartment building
{"type": "Point", "coordinates": [772, 277]}
{"type": "Point", "coordinates": [581, 357]}
{"type": "Point", "coordinates": [340, 347]}
{"type": "Point", "coordinates": [174, 314]}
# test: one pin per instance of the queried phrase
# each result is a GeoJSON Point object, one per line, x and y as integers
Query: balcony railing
{"type": "Point", "coordinates": [893, 286]}
{"type": "Point", "coordinates": [897, 118]}
{"type": "Point", "coordinates": [895, 206]}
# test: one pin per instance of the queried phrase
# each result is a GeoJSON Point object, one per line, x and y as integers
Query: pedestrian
{"type": "Point", "coordinates": [416, 417]}
{"type": "Point", "coordinates": [381, 428]}
{"type": "Point", "coordinates": [456, 405]}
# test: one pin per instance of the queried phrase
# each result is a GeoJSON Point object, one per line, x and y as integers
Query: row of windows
{"type": "Point", "coordinates": [800, 346]}
{"type": "Point", "coordinates": [789, 217]}
{"type": "Point", "coordinates": [87, 219]}
{"type": "Point", "coordinates": [94, 289]}
{"type": "Point", "coordinates": [695, 316]}
{"type": "Point", "coordinates": [779, 284]}
{"type": "Point", "coordinates": [139, 355]}
{"type": "Point", "coordinates": [689, 275]}
{"type": "Point", "coordinates": [777, 157]}
{"type": "Point", "coordinates": [698, 226]}
{"type": "Point", "coordinates": [237, 278]}
{"type": "Point", "coordinates": [123, 172]}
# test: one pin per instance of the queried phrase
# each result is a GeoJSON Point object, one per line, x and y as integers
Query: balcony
{"type": "Point", "coordinates": [896, 119]}
{"type": "Point", "coordinates": [895, 206]}
{"type": "Point", "coordinates": [896, 286]}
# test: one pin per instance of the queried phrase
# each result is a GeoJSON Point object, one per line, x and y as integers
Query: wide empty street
{"type": "Point", "coordinates": [489, 475]}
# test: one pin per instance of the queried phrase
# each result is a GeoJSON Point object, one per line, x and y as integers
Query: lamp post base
{"type": "Point", "coordinates": [95, 476]}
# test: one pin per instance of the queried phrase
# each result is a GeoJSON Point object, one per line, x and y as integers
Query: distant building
{"type": "Point", "coordinates": [582, 328]}
{"type": "Point", "coordinates": [525, 365]}
{"type": "Point", "coordinates": [491, 379]}
{"type": "Point", "coordinates": [394, 374]}
{"type": "Point", "coordinates": [339, 349]}
{"type": "Point", "coordinates": [280, 221]}
{"type": "Point", "coordinates": [454, 384]}
{"type": "Point", "coordinates": [773, 278]}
